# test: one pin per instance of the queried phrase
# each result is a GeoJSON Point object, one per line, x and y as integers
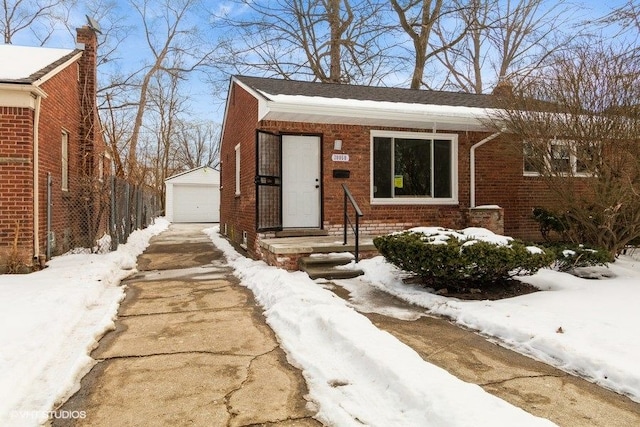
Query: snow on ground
{"type": "Point", "coordinates": [52, 319]}
{"type": "Point", "coordinates": [357, 374]}
{"type": "Point", "coordinates": [582, 326]}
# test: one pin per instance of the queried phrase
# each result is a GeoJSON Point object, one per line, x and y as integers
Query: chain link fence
{"type": "Point", "coordinates": [95, 214]}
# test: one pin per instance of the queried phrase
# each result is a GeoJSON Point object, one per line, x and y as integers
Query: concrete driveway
{"type": "Point", "coordinates": [536, 387]}
{"type": "Point", "coordinates": [191, 347]}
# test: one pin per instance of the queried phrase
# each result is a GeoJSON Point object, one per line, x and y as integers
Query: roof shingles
{"type": "Point", "coordinates": [25, 64]}
{"type": "Point", "coordinates": [271, 86]}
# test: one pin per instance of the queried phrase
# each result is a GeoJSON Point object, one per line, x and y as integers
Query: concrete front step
{"type": "Point", "coordinates": [327, 260]}
{"type": "Point", "coordinates": [301, 232]}
{"type": "Point", "coordinates": [328, 266]}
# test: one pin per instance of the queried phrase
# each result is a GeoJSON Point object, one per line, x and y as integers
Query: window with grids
{"type": "Point", "coordinates": [558, 157]}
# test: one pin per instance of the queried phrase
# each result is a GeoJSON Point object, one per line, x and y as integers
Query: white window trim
{"type": "Point", "coordinates": [573, 162]}
{"type": "Point", "coordinates": [237, 150]}
{"type": "Point", "coordinates": [101, 167]}
{"type": "Point", "coordinates": [64, 161]}
{"type": "Point", "coordinates": [453, 200]}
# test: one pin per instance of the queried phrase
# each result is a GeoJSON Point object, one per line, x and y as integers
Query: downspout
{"type": "Point", "coordinates": [472, 161]}
{"type": "Point", "coordinates": [36, 186]}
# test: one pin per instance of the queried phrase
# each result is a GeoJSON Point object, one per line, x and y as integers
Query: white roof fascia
{"type": "Point", "coordinates": [226, 107]}
{"type": "Point", "coordinates": [375, 111]}
{"type": "Point", "coordinates": [190, 171]}
{"type": "Point", "coordinates": [56, 70]}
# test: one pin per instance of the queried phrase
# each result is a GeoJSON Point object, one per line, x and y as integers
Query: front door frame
{"type": "Point", "coordinates": [320, 172]}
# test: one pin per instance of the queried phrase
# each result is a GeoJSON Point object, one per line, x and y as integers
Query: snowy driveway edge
{"type": "Point", "coordinates": [356, 373]}
{"type": "Point", "coordinates": [56, 317]}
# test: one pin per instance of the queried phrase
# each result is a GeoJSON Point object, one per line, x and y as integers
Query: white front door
{"type": "Point", "coordinates": [300, 181]}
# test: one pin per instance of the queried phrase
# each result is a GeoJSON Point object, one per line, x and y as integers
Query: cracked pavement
{"type": "Point", "coordinates": [190, 347]}
{"type": "Point", "coordinates": [534, 386]}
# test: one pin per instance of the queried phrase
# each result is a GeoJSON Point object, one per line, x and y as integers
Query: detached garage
{"type": "Point", "coordinates": [193, 196]}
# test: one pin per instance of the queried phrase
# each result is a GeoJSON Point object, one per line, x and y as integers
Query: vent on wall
{"type": "Point", "coordinates": [244, 240]}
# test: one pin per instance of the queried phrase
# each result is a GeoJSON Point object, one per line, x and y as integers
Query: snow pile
{"type": "Point", "coordinates": [439, 235]}
{"type": "Point", "coordinates": [52, 319]}
{"type": "Point", "coordinates": [582, 326]}
{"type": "Point", "coordinates": [357, 374]}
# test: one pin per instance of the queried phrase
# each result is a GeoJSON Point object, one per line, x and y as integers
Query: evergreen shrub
{"type": "Point", "coordinates": [460, 261]}
{"type": "Point", "coordinates": [569, 256]}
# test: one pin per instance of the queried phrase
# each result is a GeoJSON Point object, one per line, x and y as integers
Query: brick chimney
{"type": "Point", "coordinates": [89, 128]}
{"type": "Point", "coordinates": [504, 89]}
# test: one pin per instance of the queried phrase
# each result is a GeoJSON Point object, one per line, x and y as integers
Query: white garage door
{"type": "Point", "coordinates": [196, 203]}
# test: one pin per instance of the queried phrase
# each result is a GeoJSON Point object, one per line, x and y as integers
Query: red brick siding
{"type": "Point", "coordinates": [238, 212]}
{"type": "Point", "coordinates": [60, 111]}
{"type": "Point", "coordinates": [16, 178]}
{"type": "Point", "coordinates": [499, 178]}
{"type": "Point", "coordinates": [92, 142]}
{"type": "Point", "coordinates": [356, 141]}
{"type": "Point", "coordinates": [500, 181]}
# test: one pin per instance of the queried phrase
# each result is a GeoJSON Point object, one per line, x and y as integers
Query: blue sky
{"type": "Point", "coordinates": [205, 104]}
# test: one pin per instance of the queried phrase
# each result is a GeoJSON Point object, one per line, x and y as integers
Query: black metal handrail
{"type": "Point", "coordinates": [355, 228]}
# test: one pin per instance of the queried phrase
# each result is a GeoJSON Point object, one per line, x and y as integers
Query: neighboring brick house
{"type": "Point", "coordinates": [409, 157]}
{"type": "Point", "coordinates": [49, 132]}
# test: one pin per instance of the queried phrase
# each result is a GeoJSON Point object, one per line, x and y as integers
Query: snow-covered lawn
{"type": "Point", "coordinates": [356, 373]}
{"type": "Point", "coordinates": [582, 326]}
{"type": "Point", "coordinates": [51, 320]}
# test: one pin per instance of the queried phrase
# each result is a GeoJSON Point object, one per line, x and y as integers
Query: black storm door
{"type": "Point", "coordinates": [268, 181]}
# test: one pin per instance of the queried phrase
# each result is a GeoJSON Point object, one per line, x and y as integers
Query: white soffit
{"type": "Point", "coordinates": [381, 113]}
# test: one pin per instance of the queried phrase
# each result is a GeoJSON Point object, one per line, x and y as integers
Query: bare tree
{"type": "Point", "coordinates": [627, 14]}
{"type": "Point", "coordinates": [419, 19]}
{"type": "Point", "coordinates": [579, 122]}
{"type": "Point", "coordinates": [505, 38]}
{"type": "Point", "coordinates": [116, 130]}
{"type": "Point", "coordinates": [37, 17]}
{"type": "Point", "coordinates": [114, 30]}
{"type": "Point", "coordinates": [166, 103]}
{"type": "Point", "coordinates": [336, 41]}
{"type": "Point", "coordinates": [176, 47]}
{"type": "Point", "coordinates": [199, 145]}
{"type": "Point", "coordinates": [170, 143]}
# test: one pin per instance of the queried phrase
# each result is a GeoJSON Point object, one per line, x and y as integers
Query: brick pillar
{"type": "Point", "coordinates": [489, 217]}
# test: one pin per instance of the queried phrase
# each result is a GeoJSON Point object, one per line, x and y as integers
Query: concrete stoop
{"type": "Point", "coordinates": [329, 266]}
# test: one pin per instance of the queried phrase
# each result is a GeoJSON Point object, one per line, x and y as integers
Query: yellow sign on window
{"type": "Point", "coordinates": [398, 181]}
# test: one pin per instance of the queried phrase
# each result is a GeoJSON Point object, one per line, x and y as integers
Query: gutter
{"type": "Point", "coordinates": [472, 164]}
{"type": "Point", "coordinates": [36, 185]}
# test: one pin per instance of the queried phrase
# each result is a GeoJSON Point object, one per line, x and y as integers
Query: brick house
{"type": "Point", "coordinates": [49, 133]}
{"type": "Point", "coordinates": [409, 157]}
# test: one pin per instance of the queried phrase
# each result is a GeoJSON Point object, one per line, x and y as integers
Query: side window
{"type": "Point", "coordinates": [532, 159]}
{"type": "Point", "coordinates": [101, 168]}
{"type": "Point", "coordinates": [65, 161]}
{"type": "Point", "coordinates": [559, 157]}
{"type": "Point", "coordinates": [238, 170]}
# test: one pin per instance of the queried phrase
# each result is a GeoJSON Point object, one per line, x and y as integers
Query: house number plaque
{"type": "Point", "coordinates": [340, 157]}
